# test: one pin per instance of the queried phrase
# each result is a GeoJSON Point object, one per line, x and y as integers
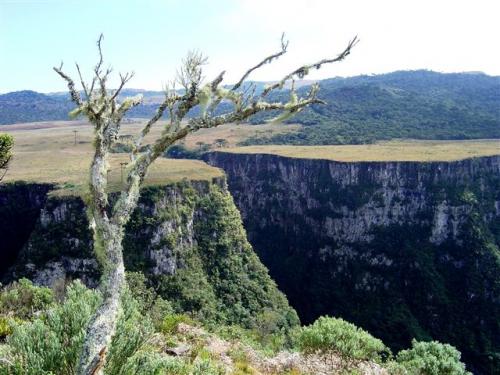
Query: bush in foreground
{"type": "Point", "coordinates": [429, 358]}
{"type": "Point", "coordinates": [22, 299]}
{"type": "Point", "coordinates": [51, 342]}
{"type": "Point", "coordinates": [333, 337]}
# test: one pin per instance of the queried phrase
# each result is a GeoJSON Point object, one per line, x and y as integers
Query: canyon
{"type": "Point", "coordinates": [403, 249]}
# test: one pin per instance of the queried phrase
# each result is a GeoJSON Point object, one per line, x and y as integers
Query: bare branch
{"type": "Point", "coordinates": [124, 107]}
{"type": "Point", "coordinates": [5, 170]}
{"type": "Point", "coordinates": [97, 68]}
{"type": "Point", "coordinates": [216, 82]}
{"type": "Point", "coordinates": [75, 96]}
{"type": "Point", "coordinates": [248, 94]}
{"type": "Point", "coordinates": [304, 70]}
{"type": "Point", "coordinates": [267, 60]}
{"type": "Point", "coordinates": [167, 139]}
{"type": "Point", "coordinates": [123, 80]}
{"type": "Point", "coordinates": [190, 72]}
{"type": "Point", "coordinates": [145, 130]}
{"type": "Point", "coordinates": [85, 90]}
{"type": "Point", "coordinates": [103, 80]}
{"type": "Point", "coordinates": [214, 86]}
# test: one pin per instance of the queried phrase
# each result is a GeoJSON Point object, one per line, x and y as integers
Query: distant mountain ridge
{"type": "Point", "coordinates": [404, 104]}
{"type": "Point", "coordinates": [30, 106]}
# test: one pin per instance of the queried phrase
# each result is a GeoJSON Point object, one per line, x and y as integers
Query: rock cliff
{"type": "Point", "coordinates": [186, 237]}
{"type": "Point", "coordinates": [403, 249]}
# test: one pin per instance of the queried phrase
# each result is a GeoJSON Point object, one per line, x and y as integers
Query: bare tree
{"type": "Point", "coordinates": [105, 111]}
{"type": "Point", "coordinates": [221, 142]}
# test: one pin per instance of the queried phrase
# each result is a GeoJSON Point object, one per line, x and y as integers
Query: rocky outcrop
{"type": "Point", "coordinates": [345, 201]}
{"type": "Point", "coordinates": [403, 249]}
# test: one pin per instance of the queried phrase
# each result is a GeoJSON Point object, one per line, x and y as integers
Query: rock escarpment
{"type": "Point", "coordinates": [20, 206]}
{"type": "Point", "coordinates": [403, 249]}
{"type": "Point", "coordinates": [186, 237]}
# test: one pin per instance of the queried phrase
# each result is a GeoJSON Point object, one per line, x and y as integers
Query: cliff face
{"type": "Point", "coordinates": [403, 249]}
{"type": "Point", "coordinates": [20, 206]}
{"type": "Point", "coordinates": [186, 237]}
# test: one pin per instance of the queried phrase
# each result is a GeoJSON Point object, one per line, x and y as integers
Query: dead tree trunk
{"type": "Point", "coordinates": [102, 326]}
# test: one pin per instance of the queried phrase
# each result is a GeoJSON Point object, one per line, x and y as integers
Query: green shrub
{"type": "Point", "coordinates": [132, 333]}
{"type": "Point", "coordinates": [51, 343]}
{"type": "Point", "coordinates": [5, 327]}
{"type": "Point", "coordinates": [22, 298]}
{"type": "Point", "coordinates": [151, 363]}
{"type": "Point", "coordinates": [171, 322]}
{"type": "Point", "coordinates": [336, 337]}
{"type": "Point", "coordinates": [150, 303]}
{"type": "Point", "coordinates": [6, 143]}
{"type": "Point", "coordinates": [429, 358]}
{"type": "Point", "coordinates": [206, 367]}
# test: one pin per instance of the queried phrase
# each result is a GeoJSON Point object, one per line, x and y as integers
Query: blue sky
{"type": "Point", "coordinates": [151, 36]}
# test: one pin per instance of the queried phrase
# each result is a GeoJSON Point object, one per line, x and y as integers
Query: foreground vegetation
{"type": "Point", "coordinates": [42, 333]}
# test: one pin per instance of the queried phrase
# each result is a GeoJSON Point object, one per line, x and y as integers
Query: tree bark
{"type": "Point", "coordinates": [102, 326]}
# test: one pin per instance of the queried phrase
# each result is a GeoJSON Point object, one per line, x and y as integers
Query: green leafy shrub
{"type": "Point", "coordinates": [22, 298]}
{"type": "Point", "coordinates": [151, 363]}
{"type": "Point", "coordinates": [51, 343]}
{"type": "Point", "coordinates": [336, 337]}
{"type": "Point", "coordinates": [429, 358]}
{"type": "Point", "coordinates": [149, 302]}
{"type": "Point", "coordinates": [206, 367]}
{"type": "Point", "coordinates": [5, 327]}
{"type": "Point", "coordinates": [171, 322]}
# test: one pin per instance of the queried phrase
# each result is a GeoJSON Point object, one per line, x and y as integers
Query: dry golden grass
{"type": "Point", "coordinates": [236, 133]}
{"type": "Point", "coordinates": [408, 150]}
{"type": "Point", "coordinates": [45, 152]}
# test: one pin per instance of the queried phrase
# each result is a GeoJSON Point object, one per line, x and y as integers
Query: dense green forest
{"type": "Point", "coordinates": [416, 104]}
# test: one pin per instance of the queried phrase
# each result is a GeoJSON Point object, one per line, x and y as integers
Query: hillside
{"type": "Point", "coordinates": [362, 109]}
{"type": "Point", "coordinates": [413, 104]}
{"type": "Point", "coordinates": [28, 106]}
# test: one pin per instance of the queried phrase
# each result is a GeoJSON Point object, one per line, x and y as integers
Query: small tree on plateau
{"type": "Point", "coordinates": [221, 142]}
{"type": "Point", "coordinates": [105, 110]}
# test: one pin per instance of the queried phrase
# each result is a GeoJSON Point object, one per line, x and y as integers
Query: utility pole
{"type": "Point", "coordinates": [75, 131]}
{"type": "Point", "coordinates": [122, 165]}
